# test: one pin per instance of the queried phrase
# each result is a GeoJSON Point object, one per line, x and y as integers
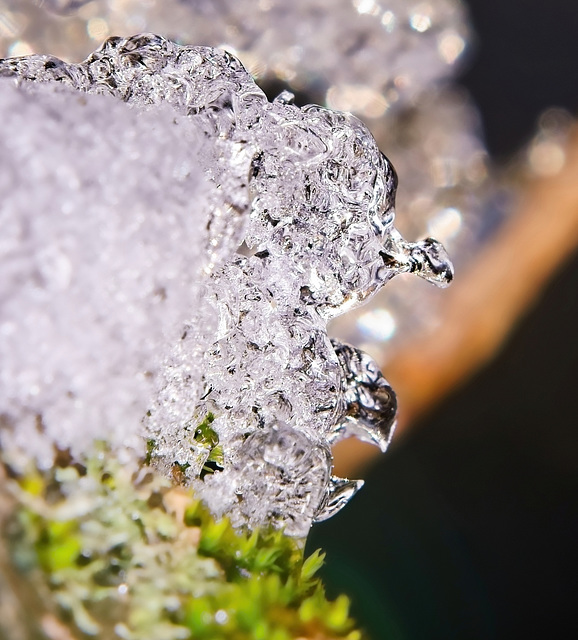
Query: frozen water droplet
{"type": "Point", "coordinates": [370, 403]}
{"type": "Point", "coordinates": [285, 97]}
{"type": "Point", "coordinates": [432, 262]}
{"type": "Point", "coordinates": [339, 493]}
{"type": "Point", "coordinates": [279, 477]}
{"type": "Point", "coordinates": [428, 259]}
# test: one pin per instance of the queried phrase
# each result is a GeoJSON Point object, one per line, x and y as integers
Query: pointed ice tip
{"type": "Point", "coordinates": [339, 493]}
{"type": "Point", "coordinates": [384, 442]}
{"type": "Point", "coordinates": [432, 262]}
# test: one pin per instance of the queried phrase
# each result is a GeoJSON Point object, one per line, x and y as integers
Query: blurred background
{"type": "Point", "coordinates": [468, 526]}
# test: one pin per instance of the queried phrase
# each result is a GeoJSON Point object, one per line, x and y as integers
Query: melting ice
{"type": "Point", "coordinates": [252, 393]}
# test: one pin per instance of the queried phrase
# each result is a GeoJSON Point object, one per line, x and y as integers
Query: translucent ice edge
{"type": "Point", "coordinates": [251, 397]}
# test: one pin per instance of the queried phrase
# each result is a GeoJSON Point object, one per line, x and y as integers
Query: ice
{"type": "Point", "coordinates": [102, 241]}
{"type": "Point", "coordinates": [296, 227]}
{"type": "Point", "coordinates": [370, 403]}
{"type": "Point", "coordinates": [366, 56]}
{"type": "Point", "coordinates": [391, 63]}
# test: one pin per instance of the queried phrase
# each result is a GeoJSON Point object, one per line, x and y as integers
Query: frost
{"type": "Point", "coordinates": [103, 236]}
{"type": "Point", "coordinates": [297, 229]}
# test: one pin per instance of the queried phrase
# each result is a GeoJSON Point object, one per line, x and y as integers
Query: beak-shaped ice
{"type": "Point", "coordinates": [339, 493]}
{"type": "Point", "coordinates": [371, 404]}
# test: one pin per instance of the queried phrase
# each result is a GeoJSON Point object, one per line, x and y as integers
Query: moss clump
{"type": "Point", "coordinates": [123, 553]}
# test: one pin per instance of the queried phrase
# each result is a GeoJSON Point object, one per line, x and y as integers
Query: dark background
{"type": "Point", "coordinates": [468, 528]}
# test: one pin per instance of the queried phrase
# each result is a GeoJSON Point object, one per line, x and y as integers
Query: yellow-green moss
{"type": "Point", "coordinates": [126, 554]}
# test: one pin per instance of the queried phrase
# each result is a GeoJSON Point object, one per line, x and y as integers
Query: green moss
{"type": "Point", "coordinates": [205, 434]}
{"type": "Point", "coordinates": [150, 450]}
{"type": "Point", "coordinates": [208, 438]}
{"type": "Point", "coordinates": [126, 554]}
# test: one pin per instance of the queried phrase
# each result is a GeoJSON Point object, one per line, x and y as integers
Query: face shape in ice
{"type": "Point", "coordinates": [311, 196]}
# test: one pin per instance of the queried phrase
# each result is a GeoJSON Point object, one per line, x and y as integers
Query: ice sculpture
{"type": "Point", "coordinates": [302, 231]}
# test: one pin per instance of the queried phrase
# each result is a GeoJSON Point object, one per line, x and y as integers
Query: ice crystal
{"type": "Point", "coordinates": [301, 230]}
{"type": "Point", "coordinates": [103, 236]}
{"type": "Point", "coordinates": [390, 63]}
{"type": "Point", "coordinates": [361, 55]}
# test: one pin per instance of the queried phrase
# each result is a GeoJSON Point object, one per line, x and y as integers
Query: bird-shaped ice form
{"type": "Point", "coordinates": [303, 231]}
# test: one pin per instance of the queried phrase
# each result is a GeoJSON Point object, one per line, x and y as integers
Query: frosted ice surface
{"type": "Point", "coordinates": [102, 240]}
{"type": "Point", "coordinates": [384, 61]}
{"type": "Point", "coordinates": [253, 393]}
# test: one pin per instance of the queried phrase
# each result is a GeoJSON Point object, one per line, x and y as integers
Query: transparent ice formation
{"type": "Point", "coordinates": [390, 62]}
{"type": "Point", "coordinates": [445, 192]}
{"type": "Point", "coordinates": [363, 55]}
{"type": "Point", "coordinates": [298, 229]}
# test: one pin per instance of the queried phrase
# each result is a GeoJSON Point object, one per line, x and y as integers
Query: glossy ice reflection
{"type": "Point", "coordinates": [253, 393]}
